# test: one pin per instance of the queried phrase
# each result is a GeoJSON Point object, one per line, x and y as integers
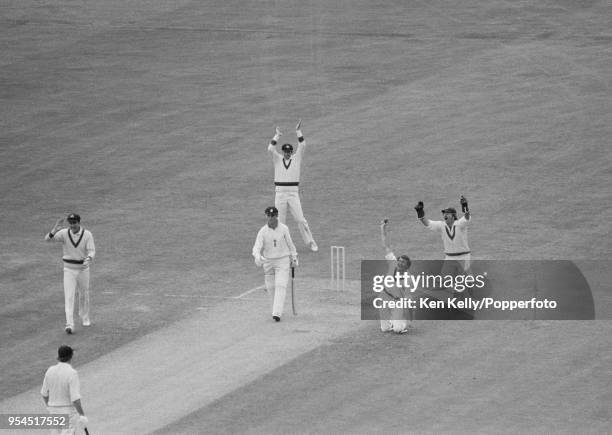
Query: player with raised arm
{"type": "Point", "coordinates": [287, 167]}
{"type": "Point", "coordinates": [454, 233]}
{"type": "Point", "coordinates": [394, 319]}
{"type": "Point", "coordinates": [78, 252]}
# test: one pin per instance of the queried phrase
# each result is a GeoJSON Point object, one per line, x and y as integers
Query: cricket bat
{"type": "Point", "coordinates": [293, 291]}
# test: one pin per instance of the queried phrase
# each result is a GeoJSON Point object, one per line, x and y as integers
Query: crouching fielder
{"type": "Point", "coordinates": [279, 254]}
{"type": "Point", "coordinates": [394, 319]}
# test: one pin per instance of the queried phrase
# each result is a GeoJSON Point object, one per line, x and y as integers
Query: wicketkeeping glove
{"type": "Point", "coordinates": [419, 210]}
{"type": "Point", "coordinates": [464, 204]}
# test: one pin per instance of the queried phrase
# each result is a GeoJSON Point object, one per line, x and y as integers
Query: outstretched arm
{"type": "Point", "coordinates": [384, 236]}
{"type": "Point", "coordinates": [273, 141]}
{"type": "Point", "coordinates": [300, 135]}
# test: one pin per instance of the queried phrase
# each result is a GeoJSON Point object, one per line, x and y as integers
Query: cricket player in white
{"type": "Point", "coordinates": [279, 254]}
{"type": "Point", "coordinates": [61, 392]}
{"type": "Point", "coordinates": [454, 233]}
{"type": "Point", "coordinates": [394, 319]}
{"type": "Point", "coordinates": [79, 252]}
{"type": "Point", "coordinates": [287, 179]}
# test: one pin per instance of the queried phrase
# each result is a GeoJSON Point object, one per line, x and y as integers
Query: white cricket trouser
{"type": "Point", "coordinates": [289, 197]}
{"type": "Point", "coordinates": [393, 319]}
{"type": "Point", "coordinates": [277, 276]}
{"type": "Point", "coordinates": [73, 419]}
{"type": "Point", "coordinates": [393, 325]}
{"type": "Point", "coordinates": [457, 263]}
{"type": "Point", "coordinates": [76, 280]}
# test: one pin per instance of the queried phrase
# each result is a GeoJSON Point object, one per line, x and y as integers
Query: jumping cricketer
{"type": "Point", "coordinates": [287, 179]}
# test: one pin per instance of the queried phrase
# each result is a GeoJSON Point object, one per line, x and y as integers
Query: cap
{"type": "Point", "coordinates": [64, 353]}
{"type": "Point", "coordinates": [449, 210]}
{"type": "Point", "coordinates": [73, 217]}
{"type": "Point", "coordinates": [271, 211]}
{"type": "Point", "coordinates": [287, 147]}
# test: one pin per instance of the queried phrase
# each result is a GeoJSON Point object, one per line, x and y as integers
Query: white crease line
{"type": "Point", "coordinates": [172, 295]}
{"type": "Point", "coordinates": [168, 295]}
{"type": "Point", "coordinates": [250, 291]}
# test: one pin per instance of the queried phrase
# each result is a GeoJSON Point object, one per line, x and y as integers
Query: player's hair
{"type": "Point", "coordinates": [64, 353]}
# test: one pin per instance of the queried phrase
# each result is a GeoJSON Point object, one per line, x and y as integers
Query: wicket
{"type": "Point", "coordinates": [337, 254]}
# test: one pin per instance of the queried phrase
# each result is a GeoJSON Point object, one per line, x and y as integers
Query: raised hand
{"type": "Point", "coordinates": [420, 210]}
{"type": "Point", "coordinates": [59, 224]}
{"type": "Point", "coordinates": [464, 204]}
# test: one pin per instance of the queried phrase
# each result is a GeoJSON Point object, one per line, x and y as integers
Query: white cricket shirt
{"type": "Point", "coordinates": [76, 246]}
{"type": "Point", "coordinates": [276, 243]}
{"type": "Point", "coordinates": [287, 171]}
{"type": "Point", "coordinates": [455, 239]}
{"type": "Point", "coordinates": [61, 385]}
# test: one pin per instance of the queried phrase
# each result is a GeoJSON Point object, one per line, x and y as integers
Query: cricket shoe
{"type": "Point", "coordinates": [403, 331]}
{"type": "Point", "coordinates": [86, 322]}
{"type": "Point", "coordinates": [68, 329]}
{"type": "Point", "coordinates": [276, 318]}
{"type": "Point", "coordinates": [313, 246]}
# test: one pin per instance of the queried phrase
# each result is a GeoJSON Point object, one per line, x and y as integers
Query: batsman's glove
{"type": "Point", "coordinates": [83, 420]}
{"type": "Point", "coordinates": [464, 204]}
{"type": "Point", "coordinates": [294, 261]}
{"type": "Point", "coordinates": [419, 210]}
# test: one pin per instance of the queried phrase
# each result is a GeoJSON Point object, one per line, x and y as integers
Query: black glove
{"type": "Point", "coordinates": [464, 204]}
{"type": "Point", "coordinates": [419, 210]}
